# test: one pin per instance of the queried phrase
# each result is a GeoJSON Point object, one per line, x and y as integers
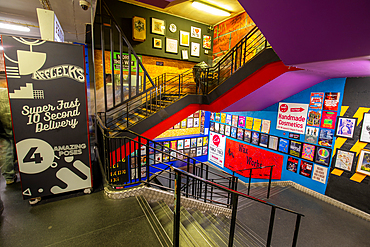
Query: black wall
{"type": "Point", "coordinates": [356, 94]}
{"type": "Point", "coordinates": [124, 12]}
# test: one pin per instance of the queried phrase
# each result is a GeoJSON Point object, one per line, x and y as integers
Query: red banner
{"type": "Point", "coordinates": [240, 156]}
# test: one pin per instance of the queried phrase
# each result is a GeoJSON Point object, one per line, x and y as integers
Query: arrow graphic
{"type": "Point", "coordinates": [300, 109]}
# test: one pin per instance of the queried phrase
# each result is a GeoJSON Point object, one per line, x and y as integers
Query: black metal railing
{"type": "Point", "coordinates": [181, 175]}
{"type": "Point", "coordinates": [250, 177]}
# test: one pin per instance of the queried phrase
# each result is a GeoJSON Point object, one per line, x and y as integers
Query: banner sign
{"type": "Point", "coordinates": [241, 156]}
{"type": "Point", "coordinates": [47, 92]}
{"type": "Point", "coordinates": [292, 117]}
{"type": "Point", "coordinates": [125, 62]}
{"type": "Point", "coordinates": [216, 153]}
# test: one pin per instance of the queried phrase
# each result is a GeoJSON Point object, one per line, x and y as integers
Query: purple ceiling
{"type": "Point", "coordinates": [302, 31]}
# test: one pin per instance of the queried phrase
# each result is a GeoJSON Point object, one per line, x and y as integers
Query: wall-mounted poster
{"type": "Point", "coordinates": [217, 127]}
{"type": "Point", "coordinates": [346, 127]}
{"type": "Point", "coordinates": [212, 117]}
{"type": "Point", "coordinates": [316, 100]}
{"type": "Point", "coordinates": [311, 135]}
{"type": "Point", "coordinates": [283, 145]}
{"type": "Point", "coordinates": [199, 141]}
{"type": "Point", "coordinates": [222, 129]}
{"type": "Point", "coordinates": [207, 41]}
{"type": "Point", "coordinates": [241, 123]}
{"type": "Point", "coordinates": [319, 173]}
{"type": "Point", "coordinates": [255, 138]}
{"type": "Point", "coordinates": [184, 54]}
{"type": "Point", "coordinates": [295, 148]}
{"type": "Point", "coordinates": [266, 126]}
{"type": "Point", "coordinates": [171, 45]}
{"type": "Point", "coordinates": [187, 143]}
{"type": "Point", "coordinates": [365, 129]}
{"type": "Point", "coordinates": [158, 26]}
{"type": "Point", "coordinates": [313, 118]}
{"type": "Point", "coordinates": [233, 132]}
{"type": "Point", "coordinates": [228, 119]}
{"type": "Point", "coordinates": [193, 142]}
{"type": "Point", "coordinates": [273, 142]}
{"type": "Point", "coordinates": [196, 32]}
{"type": "Point", "coordinates": [235, 121]}
{"type": "Point", "coordinates": [195, 49]}
{"type": "Point", "coordinates": [322, 156]}
{"type": "Point", "coordinates": [223, 117]}
{"type": "Point", "coordinates": [183, 124]}
{"type": "Point", "coordinates": [240, 134]}
{"type": "Point", "coordinates": [176, 126]}
{"type": "Point", "coordinates": [305, 169]}
{"type": "Point", "coordinates": [138, 28]}
{"type": "Point", "coordinates": [196, 122]}
{"type": "Point", "coordinates": [292, 117]}
{"type": "Point", "coordinates": [363, 164]}
{"type": "Point", "coordinates": [205, 140]}
{"type": "Point", "coordinates": [331, 101]}
{"type": "Point", "coordinates": [292, 164]}
{"type": "Point", "coordinates": [180, 144]}
{"type": "Point", "coordinates": [216, 151]}
{"type": "Point", "coordinates": [264, 139]}
{"type": "Point", "coordinates": [227, 130]}
{"type": "Point", "coordinates": [184, 38]}
{"type": "Point", "coordinates": [247, 135]}
{"type": "Point", "coordinates": [205, 150]}
{"type": "Point", "coordinates": [217, 117]}
{"type": "Point", "coordinates": [326, 137]}
{"type": "Point", "coordinates": [241, 156]}
{"type": "Point", "coordinates": [173, 145]}
{"type": "Point", "coordinates": [249, 123]}
{"type": "Point", "coordinates": [308, 151]}
{"type": "Point", "coordinates": [157, 43]}
{"type": "Point", "coordinates": [257, 124]}
{"type": "Point", "coordinates": [190, 123]}
{"type": "Point", "coordinates": [344, 159]}
{"type": "Point", "coordinates": [212, 126]}
{"type": "Point", "coordinates": [328, 119]}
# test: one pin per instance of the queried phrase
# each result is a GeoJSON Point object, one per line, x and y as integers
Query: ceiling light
{"type": "Point", "coordinates": [14, 27]}
{"type": "Point", "coordinates": [210, 9]}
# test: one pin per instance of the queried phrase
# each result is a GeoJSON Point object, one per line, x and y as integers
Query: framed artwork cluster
{"type": "Point", "coordinates": [193, 121]}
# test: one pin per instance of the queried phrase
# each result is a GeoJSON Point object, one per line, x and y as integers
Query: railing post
{"type": "Point", "coordinates": [249, 184]}
{"type": "Point", "coordinates": [271, 226]}
{"type": "Point", "coordinates": [187, 177]}
{"type": "Point", "coordinates": [176, 222]}
{"type": "Point", "coordinates": [147, 158]}
{"type": "Point", "coordinates": [296, 230]}
{"type": "Point", "coordinates": [269, 186]}
{"type": "Point", "coordinates": [179, 85]}
{"type": "Point", "coordinates": [205, 189]}
{"type": "Point", "coordinates": [233, 219]}
{"type": "Point", "coordinates": [127, 114]}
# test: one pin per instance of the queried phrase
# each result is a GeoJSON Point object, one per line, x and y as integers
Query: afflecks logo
{"type": "Point", "coordinates": [216, 140]}
{"type": "Point", "coordinates": [284, 108]}
{"type": "Point", "coordinates": [66, 70]}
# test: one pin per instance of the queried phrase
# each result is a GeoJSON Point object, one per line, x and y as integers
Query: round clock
{"type": "Point", "coordinates": [173, 28]}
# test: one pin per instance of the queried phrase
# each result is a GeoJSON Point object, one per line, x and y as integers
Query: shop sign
{"type": "Point", "coordinates": [292, 117]}
{"type": "Point", "coordinates": [216, 153]}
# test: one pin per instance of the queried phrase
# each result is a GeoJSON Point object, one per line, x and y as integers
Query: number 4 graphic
{"type": "Point", "coordinates": [31, 156]}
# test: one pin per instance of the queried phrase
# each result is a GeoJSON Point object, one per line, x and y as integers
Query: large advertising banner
{"type": "Point", "coordinates": [47, 92]}
{"type": "Point", "coordinates": [240, 156]}
{"type": "Point", "coordinates": [292, 117]}
{"type": "Point", "coordinates": [216, 153]}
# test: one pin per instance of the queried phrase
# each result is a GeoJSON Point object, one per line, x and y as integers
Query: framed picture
{"type": "Point", "coordinates": [306, 169]}
{"type": "Point", "coordinates": [326, 137]}
{"type": "Point", "coordinates": [195, 49]}
{"type": "Point", "coordinates": [184, 38]}
{"type": "Point", "coordinates": [240, 134]}
{"type": "Point", "coordinates": [196, 32]}
{"type": "Point", "coordinates": [346, 127]}
{"type": "Point", "coordinates": [227, 130]}
{"type": "Point", "coordinates": [255, 138]}
{"type": "Point", "coordinates": [344, 159]}
{"type": "Point", "coordinates": [365, 130]}
{"type": "Point", "coordinates": [157, 43]}
{"type": "Point", "coordinates": [363, 164]}
{"type": "Point", "coordinates": [323, 156]}
{"type": "Point", "coordinates": [233, 132]}
{"type": "Point", "coordinates": [264, 139]}
{"type": "Point", "coordinates": [158, 26]}
{"type": "Point", "coordinates": [292, 164]}
{"type": "Point", "coordinates": [207, 42]}
{"type": "Point", "coordinates": [295, 148]}
{"type": "Point", "coordinates": [283, 145]}
{"type": "Point", "coordinates": [171, 45]}
{"type": "Point", "coordinates": [184, 54]}
{"type": "Point", "coordinates": [247, 135]}
{"type": "Point", "coordinates": [273, 142]}
{"type": "Point", "coordinates": [308, 151]}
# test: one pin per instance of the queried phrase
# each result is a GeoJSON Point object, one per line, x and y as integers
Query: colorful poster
{"type": "Point", "coordinates": [240, 134]}
{"type": "Point", "coordinates": [320, 173]}
{"type": "Point", "coordinates": [228, 119]}
{"type": "Point", "coordinates": [264, 140]}
{"type": "Point", "coordinates": [205, 150]}
{"type": "Point", "coordinates": [311, 135]}
{"type": "Point", "coordinates": [273, 142]}
{"type": "Point", "coordinates": [205, 141]}
{"type": "Point", "coordinates": [176, 126]}
{"type": "Point", "coordinates": [241, 123]}
{"type": "Point", "coordinates": [180, 144]}
{"type": "Point", "coordinates": [174, 145]}
{"type": "Point", "coordinates": [190, 122]}
{"type": "Point", "coordinates": [212, 116]}
{"type": "Point", "coordinates": [249, 123]}
{"type": "Point", "coordinates": [196, 122]}
{"type": "Point", "coordinates": [183, 124]}
{"type": "Point", "coordinates": [257, 124]}
{"type": "Point", "coordinates": [294, 136]}
{"type": "Point", "coordinates": [233, 132]}
{"type": "Point", "coordinates": [247, 135]}
{"type": "Point", "coordinates": [223, 117]}
{"type": "Point", "coordinates": [217, 149]}
{"type": "Point", "coordinates": [199, 141]}
{"type": "Point", "coordinates": [235, 121]}
{"type": "Point", "coordinates": [193, 142]}
{"type": "Point", "coordinates": [241, 156]}
{"type": "Point", "coordinates": [295, 148]}
{"type": "Point", "coordinates": [322, 156]}
{"type": "Point", "coordinates": [292, 164]}
{"type": "Point", "coordinates": [196, 114]}
{"type": "Point", "coordinates": [308, 151]}
{"type": "Point", "coordinates": [222, 129]}
{"type": "Point", "coordinates": [344, 160]}
{"type": "Point", "coordinates": [266, 126]}
{"type": "Point", "coordinates": [331, 101]}
{"type": "Point", "coordinates": [292, 117]}
{"type": "Point", "coordinates": [255, 138]}
{"type": "Point", "coordinates": [326, 137]}
{"type": "Point", "coordinates": [305, 169]}
{"type": "Point", "coordinates": [212, 126]}
{"type": "Point", "coordinates": [328, 119]}
{"type": "Point", "coordinates": [217, 127]}
{"type": "Point", "coordinates": [199, 151]}
{"type": "Point", "coordinates": [217, 117]}
{"type": "Point", "coordinates": [187, 143]}
{"type": "Point", "coordinates": [346, 127]}
{"type": "Point", "coordinates": [227, 130]}
{"type": "Point", "coordinates": [313, 118]}
{"type": "Point", "coordinates": [283, 145]}
{"type": "Point", "coordinates": [316, 100]}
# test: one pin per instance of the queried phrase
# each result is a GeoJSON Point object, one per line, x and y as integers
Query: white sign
{"type": "Point", "coordinates": [216, 153]}
{"type": "Point", "coordinates": [292, 117]}
{"type": "Point", "coordinates": [319, 174]}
